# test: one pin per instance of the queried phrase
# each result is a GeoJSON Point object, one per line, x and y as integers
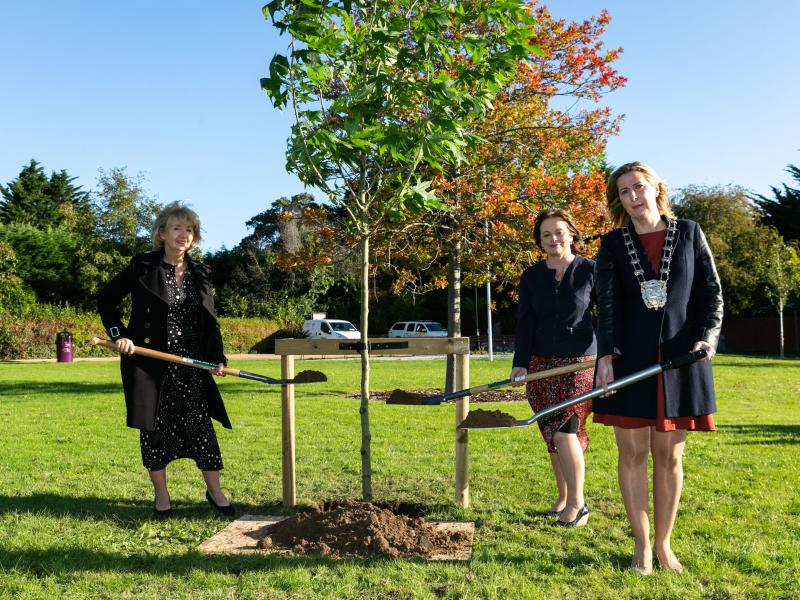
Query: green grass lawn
{"type": "Point", "coordinates": [75, 502]}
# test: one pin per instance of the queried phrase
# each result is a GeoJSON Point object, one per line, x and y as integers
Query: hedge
{"type": "Point", "coordinates": [34, 336]}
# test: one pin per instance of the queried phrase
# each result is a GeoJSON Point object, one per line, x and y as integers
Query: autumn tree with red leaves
{"type": "Point", "coordinates": [542, 147]}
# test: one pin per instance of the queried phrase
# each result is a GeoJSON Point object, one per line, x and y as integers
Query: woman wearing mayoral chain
{"type": "Point", "coordinates": [658, 296]}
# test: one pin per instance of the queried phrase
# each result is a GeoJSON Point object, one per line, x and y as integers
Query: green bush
{"type": "Point", "coordinates": [32, 333]}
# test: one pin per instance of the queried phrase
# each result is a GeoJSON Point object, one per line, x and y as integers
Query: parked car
{"type": "Point", "coordinates": [331, 329]}
{"type": "Point", "coordinates": [417, 329]}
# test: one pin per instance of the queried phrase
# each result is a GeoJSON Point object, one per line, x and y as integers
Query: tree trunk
{"type": "Point", "coordinates": [366, 438]}
{"type": "Point", "coordinates": [780, 323]}
{"type": "Point", "coordinates": [453, 311]}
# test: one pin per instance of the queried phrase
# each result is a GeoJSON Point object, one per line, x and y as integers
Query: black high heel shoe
{"type": "Point", "coordinates": [579, 521]}
{"type": "Point", "coordinates": [225, 510]}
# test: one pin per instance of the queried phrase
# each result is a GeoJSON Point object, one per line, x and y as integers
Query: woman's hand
{"type": "Point", "coordinates": [701, 345]}
{"type": "Point", "coordinates": [124, 346]}
{"type": "Point", "coordinates": [515, 373]}
{"type": "Point", "coordinates": [605, 373]}
{"type": "Point", "coordinates": [218, 371]}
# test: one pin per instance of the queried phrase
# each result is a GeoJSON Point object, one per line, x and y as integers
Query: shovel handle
{"type": "Point", "coordinates": [181, 360]}
{"type": "Point", "coordinates": [555, 372]}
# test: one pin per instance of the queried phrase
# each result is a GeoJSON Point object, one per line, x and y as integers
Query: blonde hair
{"type": "Point", "coordinates": [179, 211]}
{"type": "Point", "coordinates": [613, 203]}
{"type": "Point", "coordinates": [561, 215]}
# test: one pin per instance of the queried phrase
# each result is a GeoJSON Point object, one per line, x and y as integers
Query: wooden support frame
{"type": "Point", "coordinates": [289, 348]}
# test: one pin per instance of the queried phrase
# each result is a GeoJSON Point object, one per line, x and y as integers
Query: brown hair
{"type": "Point", "coordinates": [613, 203]}
{"type": "Point", "coordinates": [561, 215]}
{"type": "Point", "coordinates": [181, 212]}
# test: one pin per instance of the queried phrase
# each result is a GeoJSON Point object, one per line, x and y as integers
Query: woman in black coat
{"type": "Point", "coordinates": [172, 311]}
{"type": "Point", "coordinates": [658, 296]}
{"type": "Point", "coordinates": [554, 329]}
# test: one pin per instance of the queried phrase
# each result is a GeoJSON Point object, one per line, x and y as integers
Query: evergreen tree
{"type": "Point", "coordinates": [34, 199]}
{"type": "Point", "coordinates": [783, 211]}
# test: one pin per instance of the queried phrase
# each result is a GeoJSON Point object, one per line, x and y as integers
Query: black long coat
{"type": "Point", "coordinates": [144, 280]}
{"type": "Point", "coordinates": [635, 333]}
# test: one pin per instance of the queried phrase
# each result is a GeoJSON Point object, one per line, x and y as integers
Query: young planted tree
{"type": "Point", "coordinates": [542, 145]}
{"type": "Point", "coordinates": [779, 264]}
{"type": "Point", "coordinates": [380, 89]}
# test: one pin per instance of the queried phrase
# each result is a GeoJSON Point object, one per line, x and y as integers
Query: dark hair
{"type": "Point", "coordinates": [561, 215]}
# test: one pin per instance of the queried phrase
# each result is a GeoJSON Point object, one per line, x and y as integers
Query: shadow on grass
{"type": "Point", "coordinates": [762, 434]}
{"type": "Point", "coordinates": [131, 513]}
{"type": "Point", "coordinates": [66, 560]}
{"type": "Point", "coordinates": [124, 513]}
{"type": "Point", "coordinates": [9, 390]}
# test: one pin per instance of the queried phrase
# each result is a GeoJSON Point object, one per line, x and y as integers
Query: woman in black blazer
{"type": "Point", "coordinates": [172, 311]}
{"type": "Point", "coordinates": [658, 296]}
{"type": "Point", "coordinates": [554, 329]}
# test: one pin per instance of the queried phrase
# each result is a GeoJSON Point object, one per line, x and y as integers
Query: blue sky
{"type": "Point", "coordinates": [171, 89]}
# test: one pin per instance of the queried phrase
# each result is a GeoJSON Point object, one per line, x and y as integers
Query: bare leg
{"type": "Point", "coordinates": [570, 457]}
{"type": "Point", "coordinates": [212, 483]}
{"type": "Point", "coordinates": [633, 447]}
{"type": "Point", "coordinates": [667, 448]}
{"type": "Point", "coordinates": [561, 484]}
{"type": "Point", "coordinates": [159, 480]}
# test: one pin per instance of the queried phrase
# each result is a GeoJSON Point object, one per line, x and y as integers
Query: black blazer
{"type": "Point", "coordinates": [144, 280]}
{"type": "Point", "coordinates": [641, 336]}
{"type": "Point", "coordinates": [555, 320]}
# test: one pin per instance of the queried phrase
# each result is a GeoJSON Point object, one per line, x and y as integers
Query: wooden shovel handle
{"type": "Point", "coordinates": [555, 372]}
{"type": "Point", "coordinates": [149, 352]}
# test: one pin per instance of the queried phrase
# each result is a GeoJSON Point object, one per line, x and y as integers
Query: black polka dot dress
{"type": "Point", "coordinates": [183, 426]}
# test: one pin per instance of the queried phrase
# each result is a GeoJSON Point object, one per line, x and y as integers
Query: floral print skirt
{"type": "Point", "coordinates": [547, 392]}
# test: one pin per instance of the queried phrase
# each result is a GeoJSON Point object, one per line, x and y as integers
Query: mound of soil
{"type": "Point", "coordinates": [361, 529]}
{"type": "Point", "coordinates": [310, 377]}
{"type": "Point", "coordinates": [418, 396]}
{"type": "Point", "coordinates": [488, 418]}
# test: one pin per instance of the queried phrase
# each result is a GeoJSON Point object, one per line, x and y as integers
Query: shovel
{"type": "Point", "coordinates": [503, 421]}
{"type": "Point", "coordinates": [401, 397]}
{"type": "Point", "coordinates": [301, 377]}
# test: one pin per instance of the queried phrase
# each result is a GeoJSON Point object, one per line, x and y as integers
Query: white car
{"type": "Point", "coordinates": [330, 329]}
{"type": "Point", "coordinates": [417, 329]}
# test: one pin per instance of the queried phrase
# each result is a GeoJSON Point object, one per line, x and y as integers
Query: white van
{"type": "Point", "coordinates": [330, 329]}
{"type": "Point", "coordinates": [417, 329]}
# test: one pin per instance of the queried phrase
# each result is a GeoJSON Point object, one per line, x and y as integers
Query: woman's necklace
{"type": "Point", "coordinates": [654, 291]}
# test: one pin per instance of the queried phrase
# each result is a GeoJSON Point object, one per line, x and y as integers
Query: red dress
{"type": "Point", "coordinates": [544, 393]}
{"type": "Point", "coordinates": [654, 244]}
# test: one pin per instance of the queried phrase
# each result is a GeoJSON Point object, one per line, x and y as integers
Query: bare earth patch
{"type": "Point", "coordinates": [361, 529]}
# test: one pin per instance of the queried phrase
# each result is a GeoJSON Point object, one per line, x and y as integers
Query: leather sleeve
{"type": "Point", "coordinates": [109, 299]}
{"type": "Point", "coordinates": [605, 285]}
{"type": "Point", "coordinates": [708, 291]}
